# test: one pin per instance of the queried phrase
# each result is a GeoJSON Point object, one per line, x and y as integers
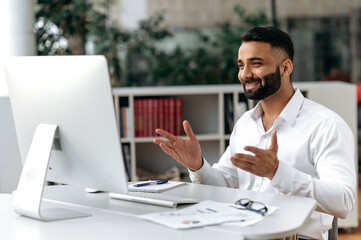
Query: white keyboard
{"type": "Point", "coordinates": [153, 198]}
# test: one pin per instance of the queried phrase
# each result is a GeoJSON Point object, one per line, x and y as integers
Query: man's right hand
{"type": "Point", "coordinates": [186, 152]}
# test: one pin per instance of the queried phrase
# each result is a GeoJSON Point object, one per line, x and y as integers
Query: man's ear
{"type": "Point", "coordinates": [286, 68]}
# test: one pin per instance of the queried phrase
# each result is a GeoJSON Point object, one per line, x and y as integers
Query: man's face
{"type": "Point", "coordinates": [259, 70]}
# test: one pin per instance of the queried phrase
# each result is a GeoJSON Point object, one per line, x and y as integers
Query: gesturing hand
{"type": "Point", "coordinates": [264, 163]}
{"type": "Point", "coordinates": [186, 152]}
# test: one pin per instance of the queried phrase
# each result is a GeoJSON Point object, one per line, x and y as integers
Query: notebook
{"type": "Point", "coordinates": [150, 195]}
{"type": "Point", "coordinates": [157, 188]}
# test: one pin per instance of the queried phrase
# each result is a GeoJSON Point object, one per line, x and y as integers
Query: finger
{"type": "Point", "coordinates": [245, 165]}
{"type": "Point", "coordinates": [170, 151]}
{"type": "Point", "coordinates": [255, 150]}
{"type": "Point", "coordinates": [240, 157]}
{"type": "Point", "coordinates": [188, 130]}
{"type": "Point", "coordinates": [166, 134]}
{"type": "Point", "coordinates": [274, 144]}
{"type": "Point", "coordinates": [160, 141]}
{"type": "Point", "coordinates": [166, 148]}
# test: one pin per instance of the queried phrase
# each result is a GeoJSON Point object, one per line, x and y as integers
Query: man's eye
{"type": "Point", "coordinates": [257, 63]}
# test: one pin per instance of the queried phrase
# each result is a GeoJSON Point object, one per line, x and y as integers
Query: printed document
{"type": "Point", "coordinates": [207, 213]}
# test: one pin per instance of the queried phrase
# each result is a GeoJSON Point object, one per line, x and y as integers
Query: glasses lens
{"type": "Point", "coordinates": [243, 202]}
{"type": "Point", "coordinates": [257, 206]}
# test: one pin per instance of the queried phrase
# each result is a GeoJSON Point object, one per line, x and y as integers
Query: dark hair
{"type": "Point", "coordinates": [274, 36]}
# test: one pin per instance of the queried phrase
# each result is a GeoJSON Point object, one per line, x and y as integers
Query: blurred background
{"type": "Point", "coordinates": [179, 42]}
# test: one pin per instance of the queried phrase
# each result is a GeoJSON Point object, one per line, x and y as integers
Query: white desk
{"type": "Point", "coordinates": [115, 219]}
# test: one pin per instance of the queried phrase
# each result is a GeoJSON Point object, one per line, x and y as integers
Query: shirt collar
{"type": "Point", "coordinates": [289, 113]}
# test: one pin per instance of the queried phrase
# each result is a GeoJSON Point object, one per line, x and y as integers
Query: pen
{"type": "Point", "coordinates": [150, 183]}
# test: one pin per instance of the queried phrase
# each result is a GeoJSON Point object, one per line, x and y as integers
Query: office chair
{"type": "Point", "coordinates": [333, 232]}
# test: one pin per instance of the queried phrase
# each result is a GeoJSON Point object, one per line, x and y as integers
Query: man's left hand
{"type": "Point", "coordinates": [264, 163]}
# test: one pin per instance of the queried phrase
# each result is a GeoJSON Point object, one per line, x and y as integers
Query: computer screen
{"type": "Point", "coordinates": [68, 99]}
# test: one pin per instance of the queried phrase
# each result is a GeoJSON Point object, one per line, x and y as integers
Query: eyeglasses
{"type": "Point", "coordinates": [257, 207]}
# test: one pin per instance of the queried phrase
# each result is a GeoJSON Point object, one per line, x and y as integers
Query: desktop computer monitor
{"type": "Point", "coordinates": [66, 127]}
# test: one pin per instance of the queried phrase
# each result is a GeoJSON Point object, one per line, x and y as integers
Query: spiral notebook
{"type": "Point", "coordinates": [155, 188]}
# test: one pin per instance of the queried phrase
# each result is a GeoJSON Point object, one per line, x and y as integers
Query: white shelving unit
{"type": "Point", "coordinates": [204, 107]}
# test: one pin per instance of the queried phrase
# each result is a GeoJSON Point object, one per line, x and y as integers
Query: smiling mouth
{"type": "Point", "coordinates": [251, 84]}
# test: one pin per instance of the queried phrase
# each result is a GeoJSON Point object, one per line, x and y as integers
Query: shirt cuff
{"type": "Point", "coordinates": [196, 176]}
{"type": "Point", "coordinates": [281, 179]}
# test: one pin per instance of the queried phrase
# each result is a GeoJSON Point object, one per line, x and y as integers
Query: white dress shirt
{"type": "Point", "coordinates": [316, 160]}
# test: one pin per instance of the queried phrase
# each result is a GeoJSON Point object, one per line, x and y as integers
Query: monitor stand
{"type": "Point", "coordinates": [28, 195]}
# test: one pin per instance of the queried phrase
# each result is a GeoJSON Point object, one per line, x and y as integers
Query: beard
{"type": "Point", "coordinates": [272, 83]}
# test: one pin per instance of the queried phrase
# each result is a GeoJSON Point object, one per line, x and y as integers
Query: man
{"type": "Point", "coordinates": [286, 144]}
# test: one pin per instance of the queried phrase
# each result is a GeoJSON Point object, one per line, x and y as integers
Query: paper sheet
{"type": "Point", "coordinates": [157, 188]}
{"type": "Point", "coordinates": [206, 213]}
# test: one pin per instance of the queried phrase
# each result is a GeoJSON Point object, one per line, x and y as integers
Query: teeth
{"type": "Point", "coordinates": [252, 84]}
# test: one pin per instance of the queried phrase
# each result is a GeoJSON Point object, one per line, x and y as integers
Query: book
{"type": "Point", "coordinates": [152, 113]}
{"type": "Point", "coordinates": [229, 111]}
{"type": "Point", "coordinates": [166, 114]}
{"type": "Point", "coordinates": [160, 111]}
{"type": "Point", "coordinates": [137, 117]}
{"type": "Point", "coordinates": [124, 121]}
{"type": "Point", "coordinates": [148, 117]}
{"type": "Point", "coordinates": [171, 116]}
{"type": "Point", "coordinates": [127, 161]}
{"type": "Point", "coordinates": [178, 117]}
{"type": "Point", "coordinates": [155, 116]}
{"type": "Point", "coordinates": [129, 123]}
{"type": "Point", "coordinates": [143, 118]}
{"type": "Point", "coordinates": [155, 188]}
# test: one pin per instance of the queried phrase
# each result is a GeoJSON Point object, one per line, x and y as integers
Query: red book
{"type": "Point", "coordinates": [149, 117]}
{"type": "Point", "coordinates": [155, 115]}
{"type": "Point", "coordinates": [124, 121]}
{"type": "Point", "coordinates": [178, 116]}
{"type": "Point", "coordinates": [166, 113]}
{"type": "Point", "coordinates": [137, 106]}
{"type": "Point", "coordinates": [172, 116]}
{"type": "Point", "coordinates": [140, 118]}
{"type": "Point", "coordinates": [160, 123]}
{"type": "Point", "coordinates": [143, 118]}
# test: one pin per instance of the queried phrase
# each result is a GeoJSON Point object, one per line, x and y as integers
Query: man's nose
{"type": "Point", "coordinates": [245, 73]}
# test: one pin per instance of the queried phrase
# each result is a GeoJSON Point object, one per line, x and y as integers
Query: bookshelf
{"type": "Point", "coordinates": [211, 111]}
{"type": "Point", "coordinates": [203, 106]}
